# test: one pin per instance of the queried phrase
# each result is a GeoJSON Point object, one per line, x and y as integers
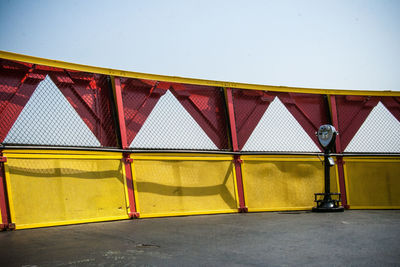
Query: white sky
{"type": "Point", "coordinates": [343, 44]}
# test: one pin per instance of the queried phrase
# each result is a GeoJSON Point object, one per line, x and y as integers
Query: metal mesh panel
{"type": "Point", "coordinates": [369, 124]}
{"type": "Point", "coordinates": [249, 107]}
{"type": "Point", "coordinates": [379, 133]}
{"type": "Point", "coordinates": [63, 108]}
{"type": "Point", "coordinates": [278, 122]}
{"type": "Point", "coordinates": [352, 112]}
{"type": "Point", "coordinates": [162, 115]}
{"type": "Point", "coordinates": [278, 130]}
{"type": "Point", "coordinates": [17, 83]}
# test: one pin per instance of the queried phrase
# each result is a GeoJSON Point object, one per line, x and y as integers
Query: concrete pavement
{"type": "Point", "coordinates": [352, 238]}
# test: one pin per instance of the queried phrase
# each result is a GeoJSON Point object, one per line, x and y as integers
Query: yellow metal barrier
{"type": "Point", "coordinates": [274, 183]}
{"type": "Point", "coordinates": [47, 188]}
{"type": "Point", "coordinates": [173, 185]}
{"type": "Point", "coordinates": [373, 183]}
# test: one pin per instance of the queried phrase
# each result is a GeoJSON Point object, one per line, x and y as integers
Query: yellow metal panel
{"type": "Point", "coordinates": [373, 183]}
{"type": "Point", "coordinates": [380, 159]}
{"type": "Point", "coordinates": [48, 191]}
{"type": "Point", "coordinates": [9, 192]}
{"type": "Point", "coordinates": [376, 207]}
{"type": "Point", "coordinates": [180, 156]}
{"type": "Point", "coordinates": [185, 158]}
{"type": "Point", "coordinates": [131, 74]}
{"type": "Point", "coordinates": [180, 187]}
{"type": "Point", "coordinates": [135, 191]}
{"type": "Point", "coordinates": [346, 183]}
{"type": "Point", "coordinates": [125, 189]}
{"type": "Point", "coordinates": [186, 213]}
{"type": "Point", "coordinates": [282, 158]}
{"type": "Point", "coordinates": [279, 209]}
{"type": "Point", "coordinates": [236, 187]}
{"type": "Point", "coordinates": [49, 224]}
{"type": "Point", "coordinates": [29, 152]}
{"type": "Point", "coordinates": [283, 183]}
{"type": "Point", "coordinates": [57, 156]}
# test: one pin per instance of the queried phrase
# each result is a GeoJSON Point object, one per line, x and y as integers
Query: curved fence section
{"type": "Point", "coordinates": [80, 146]}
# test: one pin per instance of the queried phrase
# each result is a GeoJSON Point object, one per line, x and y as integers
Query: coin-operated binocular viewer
{"type": "Point", "coordinates": [327, 202]}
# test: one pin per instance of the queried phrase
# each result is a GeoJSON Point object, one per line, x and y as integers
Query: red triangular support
{"type": "Point", "coordinates": [18, 81]}
{"type": "Point", "coordinates": [352, 111]}
{"type": "Point", "coordinates": [90, 95]}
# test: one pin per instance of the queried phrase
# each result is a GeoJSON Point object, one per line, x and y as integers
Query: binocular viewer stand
{"type": "Point", "coordinates": [331, 202]}
{"type": "Point", "coordinates": [327, 203]}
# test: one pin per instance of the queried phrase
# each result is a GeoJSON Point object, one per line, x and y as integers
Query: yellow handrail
{"type": "Point", "coordinates": [176, 79]}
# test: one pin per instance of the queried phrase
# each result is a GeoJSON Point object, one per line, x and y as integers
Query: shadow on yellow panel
{"type": "Point", "coordinates": [45, 192]}
{"type": "Point", "coordinates": [178, 187]}
{"type": "Point", "coordinates": [373, 184]}
{"type": "Point", "coordinates": [271, 184]}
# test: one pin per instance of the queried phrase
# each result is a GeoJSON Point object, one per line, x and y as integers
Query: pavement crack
{"type": "Point", "coordinates": [147, 246]}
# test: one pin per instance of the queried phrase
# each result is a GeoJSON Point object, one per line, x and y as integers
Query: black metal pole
{"type": "Point", "coordinates": [327, 175]}
{"type": "Point", "coordinates": [327, 204]}
{"type": "Point", "coordinates": [327, 172]}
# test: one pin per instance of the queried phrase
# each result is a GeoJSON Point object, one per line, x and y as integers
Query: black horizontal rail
{"type": "Point", "coordinates": [183, 151]}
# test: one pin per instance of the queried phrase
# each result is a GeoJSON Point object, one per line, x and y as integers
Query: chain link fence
{"type": "Point", "coordinates": [49, 106]}
{"type": "Point", "coordinates": [278, 122]}
{"type": "Point", "coordinates": [369, 124]}
{"type": "Point", "coordinates": [161, 115]}
{"type": "Point", "coordinates": [55, 107]}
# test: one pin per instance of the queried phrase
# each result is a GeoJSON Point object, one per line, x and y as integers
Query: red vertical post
{"type": "Point", "coordinates": [5, 218]}
{"type": "Point", "coordinates": [237, 161]}
{"type": "Point", "coordinates": [127, 160]}
{"type": "Point", "coordinates": [340, 161]}
{"type": "Point", "coordinates": [120, 111]}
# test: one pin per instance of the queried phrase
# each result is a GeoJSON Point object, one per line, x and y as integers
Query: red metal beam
{"type": "Point", "coordinates": [127, 160]}
{"type": "Point", "coordinates": [153, 87]}
{"type": "Point", "coordinates": [129, 182]}
{"type": "Point", "coordinates": [68, 87]}
{"type": "Point", "coordinates": [340, 161]}
{"type": "Point", "coordinates": [231, 114]}
{"type": "Point", "coordinates": [120, 110]}
{"type": "Point", "coordinates": [237, 161]}
{"type": "Point", "coordinates": [19, 96]}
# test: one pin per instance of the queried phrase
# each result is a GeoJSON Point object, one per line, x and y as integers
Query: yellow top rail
{"type": "Point", "coordinates": [175, 79]}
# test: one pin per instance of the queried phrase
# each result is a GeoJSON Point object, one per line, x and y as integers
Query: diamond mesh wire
{"type": "Point", "coordinates": [17, 83]}
{"type": "Point", "coordinates": [62, 108]}
{"type": "Point", "coordinates": [174, 116]}
{"type": "Point", "coordinates": [55, 107]}
{"type": "Point", "coordinates": [380, 133]}
{"type": "Point", "coordinates": [265, 123]}
{"type": "Point", "coordinates": [277, 131]}
{"type": "Point", "coordinates": [57, 124]}
{"type": "Point", "coordinates": [170, 126]}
